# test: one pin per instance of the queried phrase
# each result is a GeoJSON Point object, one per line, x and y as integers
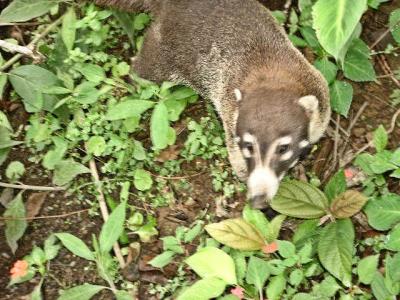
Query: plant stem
{"type": "Point", "coordinates": [32, 187]}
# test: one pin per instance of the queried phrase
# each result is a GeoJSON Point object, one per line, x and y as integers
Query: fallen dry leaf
{"type": "Point", "coordinates": [34, 204]}
{"type": "Point", "coordinates": [170, 153]}
{"type": "Point", "coordinates": [6, 197]}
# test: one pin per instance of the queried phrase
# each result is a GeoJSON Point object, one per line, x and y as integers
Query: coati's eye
{"type": "Point", "coordinates": [249, 147]}
{"type": "Point", "coordinates": [282, 149]}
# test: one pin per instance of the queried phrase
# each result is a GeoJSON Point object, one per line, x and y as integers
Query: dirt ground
{"type": "Point", "coordinates": [67, 270]}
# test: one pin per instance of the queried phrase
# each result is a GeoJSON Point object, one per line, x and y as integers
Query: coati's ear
{"type": "Point", "coordinates": [238, 95]}
{"type": "Point", "coordinates": [311, 107]}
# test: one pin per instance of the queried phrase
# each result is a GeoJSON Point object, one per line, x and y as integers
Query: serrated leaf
{"type": "Point", "coordinates": [24, 10]}
{"type": "Point", "coordinates": [75, 245]}
{"type": "Point", "coordinates": [213, 262]}
{"type": "Point", "coordinates": [394, 24]}
{"type": "Point", "coordinates": [366, 268]}
{"type": "Point", "coordinates": [257, 272]}
{"type": "Point", "coordinates": [142, 180]}
{"type": "Point", "coordinates": [96, 145]}
{"type": "Point", "coordinates": [67, 170]}
{"type": "Point", "coordinates": [237, 234]}
{"type": "Point", "coordinates": [159, 127]}
{"type": "Point", "coordinates": [128, 109]}
{"type": "Point", "coordinates": [92, 73]}
{"type": "Point", "coordinates": [81, 292]}
{"type": "Point", "coordinates": [384, 212]}
{"type": "Point", "coordinates": [347, 204]}
{"type": "Point", "coordinates": [336, 185]}
{"type": "Point", "coordinates": [16, 227]}
{"type": "Point", "coordinates": [274, 227]}
{"type": "Point", "coordinates": [393, 239]}
{"type": "Point", "coordinates": [380, 138]}
{"type": "Point", "coordinates": [357, 63]}
{"type": "Point", "coordinates": [68, 29]}
{"type": "Point", "coordinates": [335, 21]}
{"type": "Point", "coordinates": [256, 218]}
{"type": "Point", "coordinates": [163, 259]}
{"type": "Point", "coordinates": [112, 228]}
{"type": "Point", "coordinates": [379, 289]}
{"type": "Point", "coordinates": [55, 156]}
{"type": "Point", "coordinates": [123, 295]}
{"type": "Point", "coordinates": [286, 249]}
{"type": "Point", "coordinates": [335, 249]}
{"type": "Point", "coordinates": [204, 289]}
{"type": "Point", "coordinates": [276, 287]}
{"type": "Point", "coordinates": [327, 68]}
{"type": "Point", "coordinates": [341, 94]}
{"type": "Point", "coordinates": [301, 200]}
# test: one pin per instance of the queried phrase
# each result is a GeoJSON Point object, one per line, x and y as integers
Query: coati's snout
{"type": "Point", "coordinates": [272, 140]}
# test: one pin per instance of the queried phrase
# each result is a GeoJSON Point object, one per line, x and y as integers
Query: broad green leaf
{"type": "Point", "coordinates": [81, 292]}
{"type": "Point", "coordinates": [96, 145]}
{"type": "Point", "coordinates": [15, 170]}
{"type": "Point", "coordinates": [306, 230]}
{"type": "Point", "coordinates": [123, 295]}
{"type": "Point", "coordinates": [296, 277]}
{"type": "Point", "coordinates": [335, 21]}
{"type": "Point", "coordinates": [92, 73]}
{"type": "Point", "coordinates": [87, 93]}
{"type": "Point", "coordinates": [311, 38]}
{"type": "Point", "coordinates": [379, 289]}
{"type": "Point", "coordinates": [24, 10]}
{"type": "Point", "coordinates": [274, 228]}
{"type": "Point", "coordinates": [237, 234]}
{"type": "Point", "coordinates": [173, 244]}
{"type": "Point", "coordinates": [55, 156]}
{"type": "Point", "coordinates": [15, 228]}
{"type": "Point", "coordinates": [142, 180]}
{"type": "Point", "coordinates": [384, 212]}
{"type": "Point", "coordinates": [128, 108]}
{"type": "Point", "coordinates": [276, 287]}
{"type": "Point", "coordinates": [327, 68]}
{"type": "Point", "coordinates": [204, 289]}
{"type": "Point", "coordinates": [213, 262]}
{"type": "Point", "coordinates": [327, 288]}
{"type": "Point", "coordinates": [335, 249]}
{"type": "Point", "coordinates": [29, 81]}
{"type": "Point", "coordinates": [347, 204]}
{"type": "Point", "coordinates": [112, 228]}
{"type": "Point", "coordinates": [4, 121]}
{"type": "Point", "coordinates": [50, 247]}
{"type": "Point", "coordinates": [257, 272]}
{"type": "Point", "coordinates": [341, 94]}
{"type": "Point", "coordinates": [393, 239]}
{"type": "Point", "coordinates": [256, 218]}
{"type": "Point", "coordinates": [140, 21]}
{"type": "Point", "coordinates": [366, 268]}
{"type": "Point", "coordinates": [163, 259]}
{"type": "Point", "coordinates": [394, 24]}
{"type": "Point", "coordinates": [159, 126]}
{"type": "Point", "coordinates": [357, 62]}
{"type": "Point", "coordinates": [67, 170]}
{"type": "Point", "coordinates": [376, 3]}
{"type": "Point", "coordinates": [380, 138]}
{"type": "Point", "coordinates": [300, 200]}
{"type": "Point", "coordinates": [392, 268]}
{"type": "Point", "coordinates": [286, 249]}
{"type": "Point", "coordinates": [75, 245]}
{"type": "Point", "coordinates": [68, 28]}
{"type": "Point", "coordinates": [336, 185]}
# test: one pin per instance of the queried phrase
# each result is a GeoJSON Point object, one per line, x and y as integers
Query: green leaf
{"type": "Point", "coordinates": [256, 218]}
{"type": "Point", "coordinates": [24, 10]}
{"type": "Point", "coordinates": [392, 268]}
{"type": "Point", "coordinates": [327, 288]}
{"type": "Point", "coordinates": [68, 29]}
{"type": "Point", "coordinates": [159, 126]}
{"type": "Point", "coordinates": [380, 138]}
{"type": "Point", "coordinates": [237, 234]}
{"type": "Point", "coordinates": [123, 295]}
{"type": "Point", "coordinates": [376, 3]}
{"type": "Point", "coordinates": [286, 249]}
{"type": "Point", "coordinates": [327, 68]}
{"type": "Point", "coordinates": [257, 272]}
{"type": "Point", "coordinates": [50, 247]}
{"type": "Point", "coordinates": [172, 243]}
{"type": "Point", "coordinates": [142, 180]}
{"type": "Point", "coordinates": [92, 73]}
{"type": "Point", "coordinates": [213, 262]}
{"type": "Point", "coordinates": [96, 145]}
{"type": "Point", "coordinates": [112, 228]}
{"type": "Point", "coordinates": [87, 93]}
{"type": "Point", "coordinates": [394, 24]}
{"type": "Point", "coordinates": [384, 212]}
{"type": "Point", "coordinates": [4, 121]}
{"type": "Point", "coordinates": [335, 249]}
{"type": "Point", "coordinates": [366, 268]}
{"type": "Point", "coordinates": [204, 289]}
{"type": "Point", "coordinates": [274, 228]}
{"type": "Point", "coordinates": [55, 156]}
{"type": "Point", "coordinates": [3, 81]}
{"type": "Point", "coordinates": [305, 231]}
{"type": "Point", "coordinates": [15, 170]}
{"type": "Point", "coordinates": [296, 277]}
{"type": "Point", "coordinates": [301, 200]}
{"type": "Point", "coordinates": [128, 108]}
{"type": "Point", "coordinates": [75, 245]}
{"type": "Point", "coordinates": [163, 259]}
{"type": "Point", "coordinates": [276, 287]}
{"type": "Point", "coordinates": [140, 21]}
{"type": "Point", "coordinates": [16, 227]}
{"type": "Point", "coordinates": [393, 239]}
{"type": "Point", "coordinates": [336, 185]}
{"type": "Point", "coordinates": [341, 94]}
{"type": "Point", "coordinates": [81, 292]}
{"type": "Point", "coordinates": [335, 21]}
{"type": "Point", "coordinates": [67, 170]}
{"type": "Point", "coordinates": [357, 63]}
{"type": "Point", "coordinates": [379, 289]}
{"type": "Point", "coordinates": [348, 204]}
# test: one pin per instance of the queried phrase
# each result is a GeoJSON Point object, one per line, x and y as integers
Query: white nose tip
{"type": "Point", "coordinates": [262, 181]}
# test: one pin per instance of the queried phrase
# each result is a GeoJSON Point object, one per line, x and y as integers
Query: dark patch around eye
{"type": "Point", "coordinates": [282, 149]}
{"type": "Point", "coordinates": [304, 152]}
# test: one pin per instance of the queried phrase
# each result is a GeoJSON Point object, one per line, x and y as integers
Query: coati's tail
{"type": "Point", "coordinates": [129, 5]}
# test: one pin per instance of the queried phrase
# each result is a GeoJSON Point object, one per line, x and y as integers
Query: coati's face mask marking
{"type": "Point", "coordinates": [271, 141]}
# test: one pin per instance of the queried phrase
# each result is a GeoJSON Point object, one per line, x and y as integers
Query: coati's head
{"type": "Point", "coordinates": [275, 129]}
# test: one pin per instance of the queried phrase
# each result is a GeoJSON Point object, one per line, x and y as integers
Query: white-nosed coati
{"type": "Point", "coordinates": [273, 103]}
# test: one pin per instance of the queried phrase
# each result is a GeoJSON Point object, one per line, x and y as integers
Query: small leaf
{"type": "Point", "coordinates": [15, 228]}
{"type": "Point", "coordinates": [213, 262]}
{"type": "Point", "coordinates": [357, 63]}
{"type": "Point", "coordinates": [50, 247]}
{"type": "Point", "coordinates": [92, 73]}
{"type": "Point", "coordinates": [159, 126]}
{"type": "Point", "coordinates": [380, 138]}
{"type": "Point", "coordinates": [24, 10]}
{"type": "Point", "coordinates": [394, 24]}
{"type": "Point", "coordinates": [286, 249]}
{"type": "Point", "coordinates": [379, 289]}
{"type": "Point", "coordinates": [163, 259]}
{"type": "Point", "coordinates": [67, 170]}
{"type": "Point", "coordinates": [123, 295]}
{"type": "Point", "coordinates": [256, 218]}
{"type": "Point", "coordinates": [112, 228]}
{"type": "Point", "coordinates": [75, 245]}
{"type": "Point", "coordinates": [257, 272]}
{"type": "Point", "coordinates": [55, 156]}
{"type": "Point", "coordinates": [81, 292]}
{"type": "Point", "coordinates": [68, 28]}
{"type": "Point", "coordinates": [341, 94]}
{"type": "Point", "coordinates": [384, 212]}
{"type": "Point", "coordinates": [393, 239]}
{"type": "Point", "coordinates": [366, 268]}
{"type": "Point", "coordinates": [142, 180]}
{"type": "Point", "coordinates": [276, 287]}
{"type": "Point", "coordinates": [128, 108]}
{"type": "Point", "coordinates": [301, 200]}
{"type": "Point", "coordinates": [96, 145]}
{"type": "Point", "coordinates": [335, 249]}
{"type": "Point", "coordinates": [348, 204]}
{"type": "Point", "coordinates": [15, 170]}
{"type": "Point", "coordinates": [274, 228]}
{"type": "Point", "coordinates": [204, 289]}
{"type": "Point", "coordinates": [140, 21]}
{"type": "Point", "coordinates": [236, 233]}
{"type": "Point", "coordinates": [336, 185]}
{"type": "Point", "coordinates": [327, 68]}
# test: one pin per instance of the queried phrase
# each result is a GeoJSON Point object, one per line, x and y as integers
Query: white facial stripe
{"type": "Point", "coordinates": [238, 95]}
{"type": "Point", "coordinates": [304, 143]}
{"type": "Point", "coordinates": [286, 156]}
{"type": "Point", "coordinates": [246, 153]}
{"type": "Point", "coordinates": [286, 140]}
{"type": "Point", "coordinates": [237, 139]}
{"type": "Point", "coordinates": [248, 138]}
{"type": "Point", "coordinates": [263, 181]}
{"type": "Point", "coordinates": [281, 176]}
{"type": "Point", "coordinates": [293, 163]}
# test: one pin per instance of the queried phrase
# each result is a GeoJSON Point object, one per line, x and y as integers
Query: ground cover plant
{"type": "Point", "coordinates": [114, 187]}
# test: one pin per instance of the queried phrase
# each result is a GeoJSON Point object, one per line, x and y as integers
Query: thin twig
{"type": "Point", "coordinates": [386, 68]}
{"type": "Point", "coordinates": [336, 141]}
{"type": "Point", "coordinates": [380, 38]}
{"type": "Point", "coordinates": [340, 128]}
{"type": "Point", "coordinates": [44, 217]}
{"type": "Point", "coordinates": [24, 50]}
{"type": "Point", "coordinates": [104, 209]}
{"type": "Point", "coordinates": [32, 187]}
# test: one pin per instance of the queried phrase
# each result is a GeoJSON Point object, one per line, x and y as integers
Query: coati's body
{"type": "Point", "coordinates": [230, 50]}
